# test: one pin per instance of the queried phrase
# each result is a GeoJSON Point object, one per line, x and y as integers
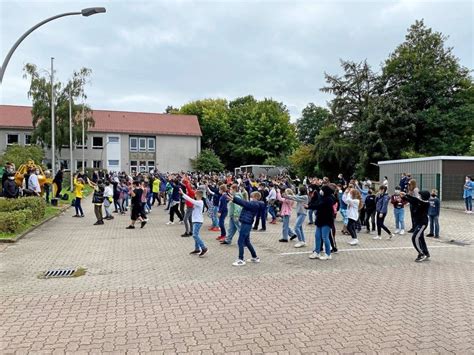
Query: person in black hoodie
{"type": "Point", "coordinates": [370, 207]}
{"type": "Point", "coordinates": [323, 205]}
{"type": "Point", "coordinates": [420, 220]}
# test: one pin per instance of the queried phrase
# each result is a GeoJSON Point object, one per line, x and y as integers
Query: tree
{"type": "Point", "coordinates": [18, 154]}
{"type": "Point", "coordinates": [171, 110]}
{"type": "Point", "coordinates": [303, 161]}
{"type": "Point", "coordinates": [424, 78]}
{"type": "Point", "coordinates": [313, 118]}
{"type": "Point", "coordinates": [207, 161]}
{"type": "Point", "coordinates": [40, 93]}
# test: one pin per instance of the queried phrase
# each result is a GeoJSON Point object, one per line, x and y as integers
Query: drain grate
{"type": "Point", "coordinates": [58, 273]}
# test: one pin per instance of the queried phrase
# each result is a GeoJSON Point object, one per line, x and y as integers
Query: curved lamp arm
{"type": "Point", "coordinates": [84, 12]}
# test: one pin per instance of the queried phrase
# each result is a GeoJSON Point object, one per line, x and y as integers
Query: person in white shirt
{"type": "Point", "coordinates": [108, 200]}
{"type": "Point", "coordinates": [33, 183]}
{"type": "Point", "coordinates": [271, 199]}
{"type": "Point", "coordinates": [197, 219]}
{"type": "Point", "coordinates": [353, 201]}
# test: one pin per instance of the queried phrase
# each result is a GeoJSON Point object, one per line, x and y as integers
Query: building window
{"type": "Point", "coordinates": [12, 139]}
{"type": "Point", "coordinates": [142, 142]}
{"type": "Point", "coordinates": [151, 165]}
{"type": "Point", "coordinates": [133, 144]}
{"type": "Point", "coordinates": [27, 139]}
{"type": "Point", "coordinates": [79, 145]}
{"type": "Point", "coordinates": [97, 142]}
{"type": "Point", "coordinates": [151, 144]}
{"type": "Point", "coordinates": [79, 164]}
{"type": "Point", "coordinates": [114, 140]}
{"type": "Point", "coordinates": [113, 162]}
{"type": "Point", "coordinates": [133, 166]}
{"type": "Point", "coordinates": [97, 164]}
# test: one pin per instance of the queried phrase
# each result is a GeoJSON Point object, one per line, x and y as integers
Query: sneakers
{"type": "Point", "coordinates": [195, 252]}
{"type": "Point", "coordinates": [203, 252]}
{"type": "Point", "coordinates": [390, 236]}
{"type": "Point", "coordinates": [238, 262]}
{"type": "Point", "coordinates": [185, 234]}
{"type": "Point", "coordinates": [215, 229]}
{"type": "Point", "coordinates": [377, 237]}
{"type": "Point", "coordinates": [283, 240]}
{"type": "Point", "coordinates": [254, 260]}
{"type": "Point", "coordinates": [225, 242]}
{"type": "Point", "coordinates": [396, 231]}
{"type": "Point", "coordinates": [402, 232]}
{"type": "Point", "coordinates": [325, 257]}
{"type": "Point", "coordinates": [293, 236]}
{"type": "Point", "coordinates": [130, 227]}
{"type": "Point", "coordinates": [315, 255]}
{"type": "Point", "coordinates": [430, 235]}
{"type": "Point", "coordinates": [169, 223]}
{"type": "Point", "coordinates": [300, 245]}
{"type": "Point", "coordinates": [420, 258]}
{"type": "Point", "coordinates": [334, 251]}
{"type": "Point", "coordinates": [354, 242]}
{"type": "Point", "coordinates": [181, 222]}
{"type": "Point", "coordinates": [142, 224]}
{"type": "Point", "coordinates": [221, 238]}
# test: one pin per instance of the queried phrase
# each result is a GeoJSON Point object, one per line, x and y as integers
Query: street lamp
{"type": "Point", "coordinates": [84, 12]}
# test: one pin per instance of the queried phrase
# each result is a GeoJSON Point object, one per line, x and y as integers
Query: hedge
{"type": "Point", "coordinates": [36, 205]}
{"type": "Point", "coordinates": [11, 222]}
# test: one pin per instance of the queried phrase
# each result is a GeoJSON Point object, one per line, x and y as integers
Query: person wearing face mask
{"type": "Point", "coordinates": [10, 190]}
{"type": "Point", "coordinates": [9, 169]}
{"type": "Point", "coordinates": [33, 183]}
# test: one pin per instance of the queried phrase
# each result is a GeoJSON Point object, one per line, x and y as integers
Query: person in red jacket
{"type": "Point", "coordinates": [189, 207]}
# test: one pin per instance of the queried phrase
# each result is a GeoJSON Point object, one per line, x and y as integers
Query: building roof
{"type": "Point", "coordinates": [414, 160]}
{"type": "Point", "coordinates": [19, 117]}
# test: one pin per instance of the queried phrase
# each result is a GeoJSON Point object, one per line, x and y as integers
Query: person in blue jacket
{"type": "Point", "coordinates": [433, 214]}
{"type": "Point", "coordinates": [381, 203]}
{"type": "Point", "coordinates": [467, 194]}
{"type": "Point", "coordinates": [249, 211]}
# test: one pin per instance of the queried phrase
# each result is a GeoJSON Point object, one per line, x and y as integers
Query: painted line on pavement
{"type": "Point", "coordinates": [371, 249]}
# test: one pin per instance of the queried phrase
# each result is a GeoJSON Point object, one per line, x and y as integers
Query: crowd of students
{"type": "Point", "coordinates": [240, 204]}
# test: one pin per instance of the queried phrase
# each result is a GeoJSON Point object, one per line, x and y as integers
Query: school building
{"type": "Point", "coordinates": [118, 141]}
{"type": "Point", "coordinates": [444, 173]}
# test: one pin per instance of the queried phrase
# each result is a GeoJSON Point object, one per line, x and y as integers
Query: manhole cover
{"type": "Point", "coordinates": [459, 242]}
{"type": "Point", "coordinates": [57, 273]}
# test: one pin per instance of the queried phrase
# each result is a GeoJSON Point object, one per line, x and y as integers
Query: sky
{"type": "Point", "coordinates": [146, 55]}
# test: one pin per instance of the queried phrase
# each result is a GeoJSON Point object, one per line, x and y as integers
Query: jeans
{"type": "Point", "coordinates": [77, 206]}
{"type": "Point", "coordinates": [188, 225]}
{"type": "Point", "coordinates": [261, 215]}
{"type": "Point", "coordinates": [198, 243]}
{"type": "Point", "coordinates": [310, 216]}
{"type": "Point", "coordinates": [234, 226]}
{"type": "Point", "coordinates": [381, 223]}
{"type": "Point", "coordinates": [299, 226]}
{"type": "Point", "coordinates": [244, 241]}
{"type": "Point", "coordinates": [399, 214]}
{"type": "Point", "coordinates": [322, 234]}
{"type": "Point", "coordinates": [434, 225]}
{"type": "Point", "coordinates": [468, 202]}
{"type": "Point", "coordinates": [168, 206]}
{"type": "Point", "coordinates": [222, 223]}
{"type": "Point", "coordinates": [215, 218]}
{"type": "Point", "coordinates": [271, 210]}
{"type": "Point", "coordinates": [286, 230]}
{"type": "Point", "coordinates": [343, 213]}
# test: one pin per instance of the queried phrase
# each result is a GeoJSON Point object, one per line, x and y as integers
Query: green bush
{"type": "Point", "coordinates": [14, 221]}
{"type": "Point", "coordinates": [36, 205]}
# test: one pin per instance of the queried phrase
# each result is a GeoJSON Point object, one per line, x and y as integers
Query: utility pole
{"type": "Point", "coordinates": [53, 122]}
{"type": "Point", "coordinates": [83, 140]}
{"type": "Point", "coordinates": [70, 139]}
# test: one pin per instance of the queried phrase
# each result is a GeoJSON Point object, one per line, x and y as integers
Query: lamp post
{"type": "Point", "coordinates": [53, 122]}
{"type": "Point", "coordinates": [70, 139]}
{"type": "Point", "coordinates": [84, 12]}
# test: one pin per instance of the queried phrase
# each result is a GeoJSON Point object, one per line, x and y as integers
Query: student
{"type": "Point", "coordinates": [413, 191]}
{"type": "Point", "coordinates": [262, 215]}
{"type": "Point", "coordinates": [174, 204]}
{"type": "Point", "coordinates": [136, 194]}
{"type": "Point", "coordinates": [370, 210]}
{"type": "Point", "coordinates": [98, 201]}
{"type": "Point", "coordinates": [353, 201]}
{"type": "Point", "coordinates": [381, 202]}
{"type": "Point", "coordinates": [301, 200]}
{"type": "Point", "coordinates": [108, 200]}
{"type": "Point", "coordinates": [324, 220]}
{"type": "Point", "coordinates": [343, 209]}
{"type": "Point", "coordinates": [188, 225]}
{"type": "Point", "coordinates": [197, 221]}
{"type": "Point", "coordinates": [420, 218]}
{"type": "Point", "coordinates": [249, 211]}
{"type": "Point", "coordinates": [398, 211]}
{"type": "Point", "coordinates": [214, 191]}
{"type": "Point", "coordinates": [156, 190]}
{"type": "Point", "coordinates": [285, 213]}
{"type": "Point", "coordinates": [79, 194]}
{"type": "Point", "coordinates": [271, 199]}
{"type": "Point", "coordinates": [234, 214]}
{"type": "Point", "coordinates": [433, 214]}
{"type": "Point", "coordinates": [222, 212]}
{"type": "Point", "coordinates": [467, 193]}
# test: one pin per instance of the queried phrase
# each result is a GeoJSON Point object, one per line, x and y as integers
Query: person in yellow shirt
{"type": "Point", "coordinates": [155, 189]}
{"type": "Point", "coordinates": [79, 193]}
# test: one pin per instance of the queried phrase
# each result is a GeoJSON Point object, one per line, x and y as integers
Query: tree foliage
{"type": "Point", "coordinates": [40, 93]}
{"type": "Point", "coordinates": [313, 118]}
{"type": "Point", "coordinates": [207, 161]}
{"type": "Point", "coordinates": [18, 154]}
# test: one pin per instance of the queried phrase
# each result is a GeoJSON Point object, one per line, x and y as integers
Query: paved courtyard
{"type": "Point", "coordinates": [144, 293]}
